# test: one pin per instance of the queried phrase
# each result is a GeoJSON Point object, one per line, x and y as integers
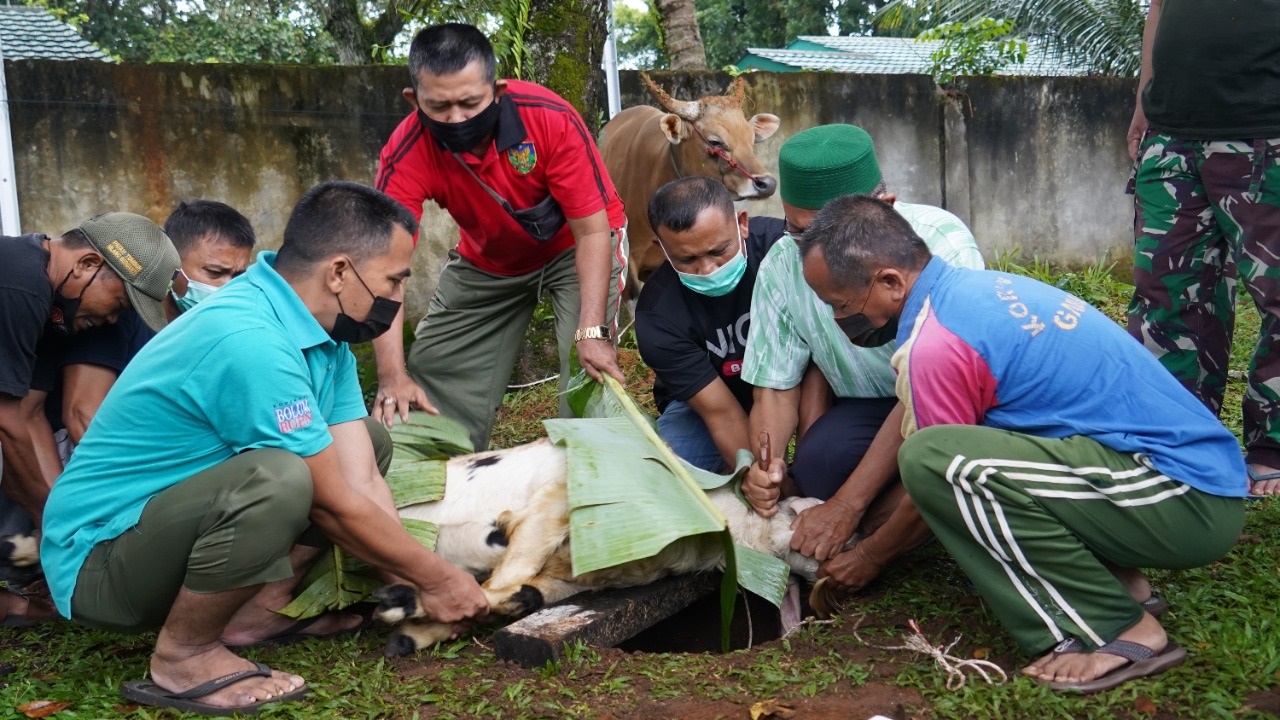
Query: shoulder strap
{"type": "Point", "coordinates": [492, 193]}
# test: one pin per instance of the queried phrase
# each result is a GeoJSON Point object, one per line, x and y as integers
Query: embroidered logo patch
{"type": "Point", "coordinates": [523, 157]}
{"type": "Point", "coordinates": [127, 261]}
{"type": "Point", "coordinates": [293, 416]}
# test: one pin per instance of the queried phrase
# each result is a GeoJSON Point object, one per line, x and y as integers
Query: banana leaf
{"type": "Point", "coordinates": [417, 475]}
{"type": "Point", "coordinates": [629, 495]}
{"type": "Point", "coordinates": [416, 481]}
{"type": "Point", "coordinates": [428, 436]}
{"type": "Point", "coordinates": [335, 581]}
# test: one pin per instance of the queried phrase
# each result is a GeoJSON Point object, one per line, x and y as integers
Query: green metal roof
{"type": "Point", "coordinates": [878, 55]}
{"type": "Point", "coordinates": [30, 33]}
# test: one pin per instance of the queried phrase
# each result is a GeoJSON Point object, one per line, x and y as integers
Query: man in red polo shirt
{"type": "Point", "coordinates": [517, 169]}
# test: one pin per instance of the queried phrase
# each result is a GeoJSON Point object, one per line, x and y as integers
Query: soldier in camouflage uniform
{"type": "Point", "coordinates": [1205, 139]}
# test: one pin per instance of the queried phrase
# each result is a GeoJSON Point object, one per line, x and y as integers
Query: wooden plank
{"type": "Point", "coordinates": [603, 618]}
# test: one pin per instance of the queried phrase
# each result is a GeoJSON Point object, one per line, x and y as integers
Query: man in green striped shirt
{"type": "Point", "coordinates": [846, 453]}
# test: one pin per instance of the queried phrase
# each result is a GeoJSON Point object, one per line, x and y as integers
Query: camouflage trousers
{"type": "Point", "coordinates": [1206, 218]}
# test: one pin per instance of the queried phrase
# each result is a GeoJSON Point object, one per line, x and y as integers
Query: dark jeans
{"type": "Point", "coordinates": [835, 444]}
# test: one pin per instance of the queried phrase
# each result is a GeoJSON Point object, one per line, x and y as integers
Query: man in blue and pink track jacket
{"type": "Point", "coordinates": [1045, 448]}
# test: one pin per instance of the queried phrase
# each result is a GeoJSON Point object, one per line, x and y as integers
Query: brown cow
{"type": "Point", "coordinates": [644, 148]}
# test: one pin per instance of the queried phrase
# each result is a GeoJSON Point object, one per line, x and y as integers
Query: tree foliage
{"type": "Point", "coordinates": [1103, 35]}
{"type": "Point", "coordinates": [640, 39]}
{"type": "Point", "coordinates": [976, 47]}
{"type": "Point", "coordinates": [260, 31]}
{"type": "Point", "coordinates": [729, 27]}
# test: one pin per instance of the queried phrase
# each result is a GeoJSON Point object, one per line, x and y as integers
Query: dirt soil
{"type": "Point", "coordinates": [712, 689]}
{"type": "Point", "coordinates": [843, 700]}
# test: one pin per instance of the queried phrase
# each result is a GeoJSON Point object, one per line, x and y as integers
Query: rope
{"type": "Point", "coordinates": [720, 153]}
{"type": "Point", "coordinates": [535, 382]}
{"type": "Point", "coordinates": [955, 666]}
{"type": "Point", "coordinates": [557, 375]}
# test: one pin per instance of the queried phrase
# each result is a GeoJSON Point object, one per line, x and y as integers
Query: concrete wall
{"type": "Point", "coordinates": [1035, 164]}
{"type": "Point", "coordinates": [93, 137]}
{"type": "Point", "coordinates": [1032, 163]}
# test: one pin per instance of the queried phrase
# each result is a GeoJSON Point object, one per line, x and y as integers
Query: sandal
{"type": "Point", "coordinates": [1255, 477]}
{"type": "Point", "coordinates": [148, 693]}
{"type": "Point", "coordinates": [35, 608]}
{"type": "Point", "coordinates": [1143, 661]}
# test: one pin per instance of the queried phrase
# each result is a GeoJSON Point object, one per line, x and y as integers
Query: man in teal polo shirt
{"type": "Point", "coordinates": [265, 433]}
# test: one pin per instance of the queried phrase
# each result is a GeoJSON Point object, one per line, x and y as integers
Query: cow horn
{"type": "Point", "coordinates": [737, 90]}
{"type": "Point", "coordinates": [683, 108]}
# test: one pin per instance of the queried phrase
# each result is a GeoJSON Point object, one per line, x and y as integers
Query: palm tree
{"type": "Point", "coordinates": [680, 28]}
{"type": "Point", "coordinates": [1102, 35]}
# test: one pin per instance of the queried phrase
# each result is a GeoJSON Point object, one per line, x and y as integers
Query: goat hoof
{"type": "Point", "coordinates": [19, 551]}
{"type": "Point", "coordinates": [399, 645]}
{"type": "Point", "coordinates": [524, 601]}
{"type": "Point", "coordinates": [396, 603]}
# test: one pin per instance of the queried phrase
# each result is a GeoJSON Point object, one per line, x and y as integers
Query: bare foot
{"type": "Point", "coordinates": [1133, 580]}
{"type": "Point", "coordinates": [252, 625]}
{"type": "Point", "coordinates": [179, 671]}
{"type": "Point", "coordinates": [1263, 487]}
{"type": "Point", "coordinates": [1085, 666]}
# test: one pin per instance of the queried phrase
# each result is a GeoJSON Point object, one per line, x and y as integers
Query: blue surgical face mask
{"type": "Point", "coordinates": [720, 281]}
{"type": "Point", "coordinates": [196, 292]}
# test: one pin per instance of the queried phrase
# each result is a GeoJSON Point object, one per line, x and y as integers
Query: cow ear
{"type": "Point", "coordinates": [673, 127]}
{"type": "Point", "coordinates": [764, 125]}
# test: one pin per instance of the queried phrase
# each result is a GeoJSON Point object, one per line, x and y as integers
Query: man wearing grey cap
{"type": "Point", "coordinates": [50, 289]}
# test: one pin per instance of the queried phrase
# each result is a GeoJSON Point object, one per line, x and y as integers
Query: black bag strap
{"type": "Point", "coordinates": [492, 193]}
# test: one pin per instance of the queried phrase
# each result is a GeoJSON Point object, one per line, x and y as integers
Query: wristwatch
{"type": "Point", "coordinates": [595, 332]}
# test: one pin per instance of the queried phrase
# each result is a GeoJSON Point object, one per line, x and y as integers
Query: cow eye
{"type": "Point", "coordinates": [716, 144]}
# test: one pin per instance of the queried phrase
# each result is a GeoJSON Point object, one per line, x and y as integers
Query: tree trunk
{"type": "Point", "coordinates": [356, 40]}
{"type": "Point", "coordinates": [684, 42]}
{"type": "Point", "coordinates": [564, 46]}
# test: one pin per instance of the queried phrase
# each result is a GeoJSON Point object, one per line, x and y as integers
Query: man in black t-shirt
{"type": "Point", "coordinates": [50, 289]}
{"type": "Point", "coordinates": [693, 316]}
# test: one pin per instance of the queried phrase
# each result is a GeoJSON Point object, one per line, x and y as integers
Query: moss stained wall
{"type": "Point", "coordinates": [1044, 158]}
{"type": "Point", "coordinates": [93, 137]}
{"type": "Point", "coordinates": [1037, 164]}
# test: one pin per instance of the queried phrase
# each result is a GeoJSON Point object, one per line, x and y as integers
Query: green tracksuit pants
{"type": "Point", "coordinates": [1031, 520]}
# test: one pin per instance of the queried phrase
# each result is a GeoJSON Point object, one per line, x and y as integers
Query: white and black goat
{"type": "Point", "coordinates": [505, 519]}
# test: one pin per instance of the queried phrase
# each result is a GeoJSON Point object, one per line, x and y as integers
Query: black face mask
{"type": "Point", "coordinates": [349, 330]}
{"type": "Point", "coordinates": [466, 135]}
{"type": "Point", "coordinates": [68, 307]}
{"type": "Point", "coordinates": [862, 333]}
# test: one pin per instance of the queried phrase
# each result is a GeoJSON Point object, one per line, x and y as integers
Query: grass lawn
{"type": "Point", "coordinates": [1225, 614]}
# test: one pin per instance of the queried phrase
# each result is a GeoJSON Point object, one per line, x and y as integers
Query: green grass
{"type": "Point", "coordinates": [1227, 614]}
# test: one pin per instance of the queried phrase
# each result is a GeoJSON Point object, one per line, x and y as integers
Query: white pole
{"type": "Point", "coordinates": [611, 67]}
{"type": "Point", "coordinates": [9, 222]}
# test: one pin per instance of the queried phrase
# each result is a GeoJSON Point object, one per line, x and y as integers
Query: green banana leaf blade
{"type": "Point", "coordinates": [417, 475]}
{"type": "Point", "coordinates": [416, 481]}
{"type": "Point", "coordinates": [630, 495]}
{"type": "Point", "coordinates": [335, 581]}
{"type": "Point", "coordinates": [428, 436]}
{"type": "Point", "coordinates": [764, 575]}
{"type": "Point", "coordinates": [624, 503]}
{"type": "Point", "coordinates": [338, 580]}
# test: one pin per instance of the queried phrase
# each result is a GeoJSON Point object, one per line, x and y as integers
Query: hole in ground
{"type": "Point", "coordinates": [696, 628]}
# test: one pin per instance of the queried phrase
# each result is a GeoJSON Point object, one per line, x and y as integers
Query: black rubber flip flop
{"type": "Point", "coordinates": [1143, 661]}
{"type": "Point", "coordinates": [145, 692]}
{"type": "Point", "coordinates": [296, 633]}
{"type": "Point", "coordinates": [1155, 606]}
